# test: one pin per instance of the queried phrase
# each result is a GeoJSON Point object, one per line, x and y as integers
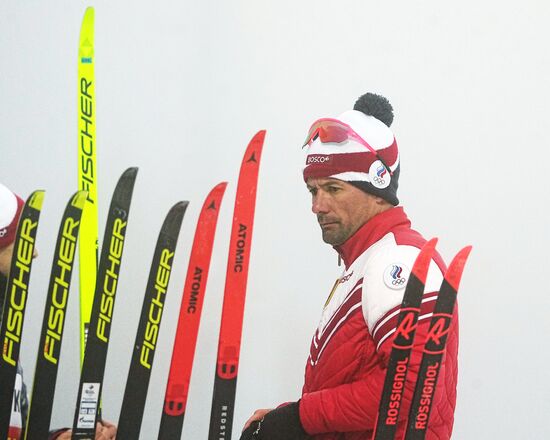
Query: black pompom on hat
{"type": "Point", "coordinates": [376, 106]}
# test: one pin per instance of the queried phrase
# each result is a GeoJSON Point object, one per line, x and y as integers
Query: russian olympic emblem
{"type": "Point", "coordinates": [396, 276]}
{"type": "Point", "coordinates": [379, 176]}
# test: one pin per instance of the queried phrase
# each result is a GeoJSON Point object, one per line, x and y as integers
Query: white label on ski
{"type": "Point", "coordinates": [88, 405]}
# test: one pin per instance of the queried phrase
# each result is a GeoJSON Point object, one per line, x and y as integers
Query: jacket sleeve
{"type": "Point", "coordinates": [23, 400]}
{"type": "Point", "coordinates": [354, 406]}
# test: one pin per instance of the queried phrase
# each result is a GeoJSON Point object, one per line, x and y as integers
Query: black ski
{"type": "Point", "coordinates": [434, 348]}
{"type": "Point", "coordinates": [51, 336]}
{"type": "Point", "coordinates": [15, 302]}
{"type": "Point", "coordinates": [135, 394]}
{"type": "Point", "coordinates": [95, 356]}
{"type": "Point", "coordinates": [396, 374]}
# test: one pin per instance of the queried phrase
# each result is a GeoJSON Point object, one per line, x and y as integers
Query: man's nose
{"type": "Point", "coordinates": [319, 204]}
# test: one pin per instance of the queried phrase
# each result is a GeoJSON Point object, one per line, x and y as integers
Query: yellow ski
{"type": "Point", "coordinates": [87, 173]}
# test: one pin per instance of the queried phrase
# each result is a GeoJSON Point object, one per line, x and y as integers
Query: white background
{"type": "Point", "coordinates": [182, 86]}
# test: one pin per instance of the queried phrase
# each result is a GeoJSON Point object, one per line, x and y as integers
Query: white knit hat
{"type": "Point", "coordinates": [368, 157]}
{"type": "Point", "coordinates": [10, 210]}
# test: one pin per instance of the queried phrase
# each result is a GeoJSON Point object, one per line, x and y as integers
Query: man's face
{"type": "Point", "coordinates": [6, 254]}
{"type": "Point", "coordinates": [341, 208]}
{"type": "Point", "coordinates": [5, 259]}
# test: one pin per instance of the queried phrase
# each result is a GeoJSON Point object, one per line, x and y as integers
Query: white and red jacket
{"type": "Point", "coordinates": [347, 365]}
{"type": "Point", "coordinates": [19, 407]}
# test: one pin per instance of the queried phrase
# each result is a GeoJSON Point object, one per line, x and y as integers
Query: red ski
{"type": "Point", "coordinates": [396, 374]}
{"type": "Point", "coordinates": [175, 399]}
{"type": "Point", "coordinates": [225, 381]}
{"type": "Point", "coordinates": [434, 348]}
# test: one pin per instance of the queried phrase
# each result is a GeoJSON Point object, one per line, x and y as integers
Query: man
{"type": "Point", "coordinates": [352, 171]}
{"type": "Point", "coordinates": [10, 210]}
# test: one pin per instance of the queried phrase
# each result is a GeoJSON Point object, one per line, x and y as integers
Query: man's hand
{"type": "Point", "coordinates": [282, 423]}
{"type": "Point", "coordinates": [104, 431]}
{"type": "Point", "coordinates": [258, 415]}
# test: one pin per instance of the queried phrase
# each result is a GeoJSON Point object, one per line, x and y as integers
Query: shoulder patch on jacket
{"type": "Point", "coordinates": [396, 276]}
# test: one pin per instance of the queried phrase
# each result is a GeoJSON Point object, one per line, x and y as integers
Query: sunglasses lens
{"type": "Point", "coordinates": [333, 133]}
{"type": "Point", "coordinates": [327, 131]}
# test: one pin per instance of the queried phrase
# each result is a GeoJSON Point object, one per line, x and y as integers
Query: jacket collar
{"type": "Point", "coordinates": [370, 233]}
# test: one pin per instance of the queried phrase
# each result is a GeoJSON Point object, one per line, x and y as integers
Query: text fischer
{"type": "Point", "coordinates": [60, 292]}
{"type": "Point", "coordinates": [18, 295]}
{"type": "Point", "coordinates": [86, 136]}
{"type": "Point", "coordinates": [155, 309]}
{"type": "Point", "coordinates": [110, 281]}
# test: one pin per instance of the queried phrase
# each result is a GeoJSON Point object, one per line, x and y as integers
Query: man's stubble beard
{"type": "Point", "coordinates": [335, 237]}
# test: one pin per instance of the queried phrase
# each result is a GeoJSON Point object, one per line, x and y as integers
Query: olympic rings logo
{"type": "Point", "coordinates": [398, 281]}
{"type": "Point", "coordinates": [396, 276]}
{"type": "Point", "coordinates": [379, 181]}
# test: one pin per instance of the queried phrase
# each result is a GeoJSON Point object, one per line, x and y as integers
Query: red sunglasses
{"type": "Point", "coordinates": [333, 130]}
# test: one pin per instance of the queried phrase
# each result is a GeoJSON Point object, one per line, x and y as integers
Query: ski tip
{"type": "Point", "coordinates": [258, 139]}
{"type": "Point", "coordinates": [78, 199]}
{"type": "Point", "coordinates": [218, 189]}
{"type": "Point", "coordinates": [260, 136]}
{"type": "Point", "coordinates": [254, 149]}
{"type": "Point", "coordinates": [422, 262]}
{"type": "Point", "coordinates": [130, 172]}
{"type": "Point", "coordinates": [180, 206]}
{"type": "Point", "coordinates": [174, 218]}
{"type": "Point", "coordinates": [214, 198]}
{"type": "Point", "coordinates": [454, 272]}
{"type": "Point", "coordinates": [177, 211]}
{"type": "Point", "coordinates": [125, 186]}
{"type": "Point", "coordinates": [88, 18]}
{"type": "Point", "coordinates": [36, 199]}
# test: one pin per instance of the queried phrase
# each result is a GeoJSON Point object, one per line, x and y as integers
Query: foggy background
{"type": "Point", "coordinates": [181, 87]}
